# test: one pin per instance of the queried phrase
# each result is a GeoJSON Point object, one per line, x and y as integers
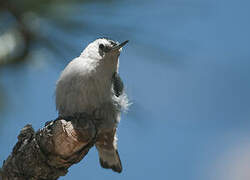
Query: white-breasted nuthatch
{"type": "Point", "coordinates": [91, 84]}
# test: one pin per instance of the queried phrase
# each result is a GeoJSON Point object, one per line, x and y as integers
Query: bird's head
{"type": "Point", "coordinates": [103, 49]}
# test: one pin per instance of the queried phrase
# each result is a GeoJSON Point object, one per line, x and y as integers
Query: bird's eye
{"type": "Point", "coordinates": [112, 43]}
{"type": "Point", "coordinates": [101, 46]}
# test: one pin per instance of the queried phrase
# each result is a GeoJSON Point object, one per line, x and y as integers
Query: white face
{"type": "Point", "coordinates": [100, 55]}
{"type": "Point", "coordinates": [101, 49]}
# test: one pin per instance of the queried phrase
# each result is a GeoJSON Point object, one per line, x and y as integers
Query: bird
{"type": "Point", "coordinates": [91, 84]}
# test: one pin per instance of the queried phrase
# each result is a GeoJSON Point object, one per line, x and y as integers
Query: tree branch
{"type": "Point", "coordinates": [49, 152]}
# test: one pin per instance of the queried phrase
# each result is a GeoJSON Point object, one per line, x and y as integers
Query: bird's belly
{"type": "Point", "coordinates": [86, 97]}
{"type": "Point", "coordinates": [94, 94]}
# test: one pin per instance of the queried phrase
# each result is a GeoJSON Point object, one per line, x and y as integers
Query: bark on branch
{"type": "Point", "coordinates": [49, 152]}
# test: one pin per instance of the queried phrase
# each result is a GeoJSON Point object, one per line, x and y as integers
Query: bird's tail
{"type": "Point", "coordinates": [107, 149]}
{"type": "Point", "coordinates": [110, 159]}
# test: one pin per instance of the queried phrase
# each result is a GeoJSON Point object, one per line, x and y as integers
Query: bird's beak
{"type": "Point", "coordinates": [119, 46]}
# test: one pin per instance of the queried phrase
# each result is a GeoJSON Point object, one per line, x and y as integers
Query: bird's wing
{"type": "Point", "coordinates": [117, 84]}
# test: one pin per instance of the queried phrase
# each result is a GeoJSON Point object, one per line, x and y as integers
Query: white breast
{"type": "Point", "coordinates": [82, 87]}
